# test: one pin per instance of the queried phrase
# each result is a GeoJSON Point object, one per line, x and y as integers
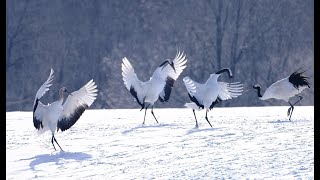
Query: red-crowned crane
{"type": "Point", "coordinates": [286, 88]}
{"type": "Point", "coordinates": [159, 85]}
{"type": "Point", "coordinates": [61, 114]}
{"type": "Point", "coordinates": [207, 95]}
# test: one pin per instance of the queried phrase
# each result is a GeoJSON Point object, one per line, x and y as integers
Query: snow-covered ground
{"type": "Point", "coordinates": [255, 142]}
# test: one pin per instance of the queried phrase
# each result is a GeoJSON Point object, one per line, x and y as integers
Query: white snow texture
{"type": "Point", "coordinates": [245, 142]}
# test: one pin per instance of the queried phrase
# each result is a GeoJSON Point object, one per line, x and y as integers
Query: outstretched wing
{"type": "Point", "coordinates": [76, 104]}
{"type": "Point", "coordinates": [170, 75]}
{"type": "Point", "coordinates": [192, 86]}
{"type": "Point", "coordinates": [43, 89]}
{"type": "Point", "coordinates": [131, 81]}
{"type": "Point", "coordinates": [38, 115]}
{"type": "Point", "coordinates": [38, 107]}
{"type": "Point", "coordinates": [229, 90]}
{"type": "Point", "coordinates": [193, 89]}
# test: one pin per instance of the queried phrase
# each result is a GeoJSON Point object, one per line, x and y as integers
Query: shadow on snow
{"type": "Point", "coordinates": [287, 121]}
{"type": "Point", "coordinates": [144, 126]}
{"type": "Point", "coordinates": [195, 129]}
{"type": "Point", "coordinates": [280, 121]}
{"type": "Point", "coordinates": [46, 158]}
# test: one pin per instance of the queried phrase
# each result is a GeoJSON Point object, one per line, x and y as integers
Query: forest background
{"type": "Point", "coordinates": [261, 41]}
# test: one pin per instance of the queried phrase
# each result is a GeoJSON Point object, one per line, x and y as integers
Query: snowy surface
{"type": "Point", "coordinates": [255, 142]}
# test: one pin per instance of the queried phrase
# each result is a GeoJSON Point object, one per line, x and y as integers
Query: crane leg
{"type": "Point", "coordinates": [56, 142]}
{"type": "Point", "coordinates": [153, 114]}
{"type": "Point", "coordinates": [207, 118]}
{"type": "Point", "coordinates": [145, 112]}
{"type": "Point", "coordinates": [290, 110]}
{"type": "Point", "coordinates": [52, 143]}
{"type": "Point", "coordinates": [195, 118]}
{"type": "Point", "coordinates": [300, 98]}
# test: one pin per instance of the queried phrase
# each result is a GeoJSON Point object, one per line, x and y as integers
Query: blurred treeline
{"type": "Point", "coordinates": [262, 41]}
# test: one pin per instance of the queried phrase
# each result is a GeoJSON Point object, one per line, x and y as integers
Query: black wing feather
{"type": "Point", "coordinates": [134, 94]}
{"type": "Point", "coordinates": [167, 89]}
{"type": "Point", "coordinates": [69, 121]}
{"type": "Point", "coordinates": [36, 122]}
{"type": "Point", "coordinates": [297, 79]}
{"type": "Point", "coordinates": [193, 99]}
{"type": "Point", "coordinates": [215, 102]}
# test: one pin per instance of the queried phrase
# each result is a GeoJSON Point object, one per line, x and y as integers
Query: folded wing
{"type": "Point", "coordinates": [76, 104]}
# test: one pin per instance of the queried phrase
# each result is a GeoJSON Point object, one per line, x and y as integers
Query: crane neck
{"type": "Point", "coordinates": [168, 61]}
{"type": "Point", "coordinates": [259, 91]}
{"type": "Point", "coordinates": [225, 70]}
{"type": "Point", "coordinates": [164, 63]}
{"type": "Point", "coordinates": [61, 95]}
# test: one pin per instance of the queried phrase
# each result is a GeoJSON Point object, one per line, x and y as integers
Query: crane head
{"type": "Point", "coordinates": [256, 86]}
{"type": "Point", "coordinates": [169, 62]}
{"type": "Point", "coordinates": [65, 90]}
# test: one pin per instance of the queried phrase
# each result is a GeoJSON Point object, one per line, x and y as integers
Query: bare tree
{"type": "Point", "coordinates": [260, 40]}
{"type": "Point", "coordinates": [221, 16]}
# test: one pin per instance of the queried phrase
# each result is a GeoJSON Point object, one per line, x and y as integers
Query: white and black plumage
{"type": "Point", "coordinates": [209, 94]}
{"type": "Point", "coordinates": [159, 85]}
{"type": "Point", "coordinates": [286, 88]}
{"type": "Point", "coordinates": [61, 114]}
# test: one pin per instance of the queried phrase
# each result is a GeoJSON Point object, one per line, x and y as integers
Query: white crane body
{"type": "Point", "coordinates": [282, 90]}
{"type": "Point", "coordinates": [160, 84]}
{"type": "Point", "coordinates": [286, 88]}
{"type": "Point", "coordinates": [207, 95]}
{"type": "Point", "coordinates": [61, 115]}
